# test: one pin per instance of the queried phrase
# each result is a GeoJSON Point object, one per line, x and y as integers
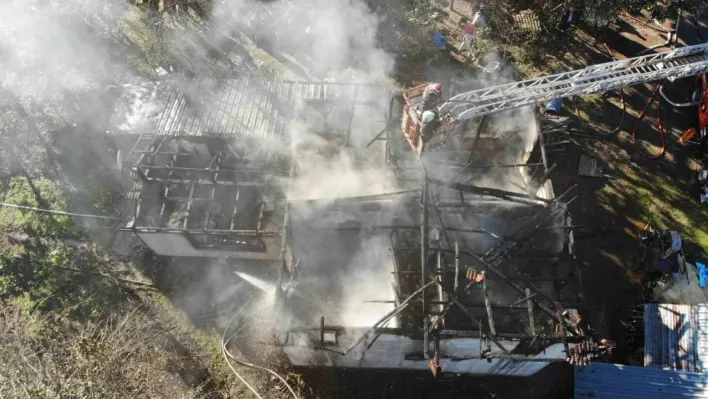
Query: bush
{"type": "Point", "coordinates": [34, 193]}
{"type": "Point", "coordinates": [126, 355]}
{"type": "Point", "coordinates": [56, 276]}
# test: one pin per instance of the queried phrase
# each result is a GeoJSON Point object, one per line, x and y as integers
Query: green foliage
{"type": "Point", "coordinates": [46, 225]}
{"type": "Point", "coordinates": [604, 12]}
{"type": "Point", "coordinates": [49, 277]}
{"type": "Point", "coordinates": [671, 8]}
{"type": "Point", "coordinates": [535, 49]}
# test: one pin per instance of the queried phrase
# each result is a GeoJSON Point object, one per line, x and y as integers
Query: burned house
{"type": "Point", "coordinates": [208, 197]}
{"type": "Point", "coordinates": [471, 280]}
{"type": "Point", "coordinates": [446, 265]}
{"type": "Point", "coordinates": [210, 179]}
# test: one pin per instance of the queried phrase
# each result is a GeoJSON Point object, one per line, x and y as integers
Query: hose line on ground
{"type": "Point", "coordinates": [228, 356]}
{"type": "Point", "coordinates": [675, 104]}
{"type": "Point", "coordinates": [659, 124]}
{"type": "Point", "coordinates": [225, 354]}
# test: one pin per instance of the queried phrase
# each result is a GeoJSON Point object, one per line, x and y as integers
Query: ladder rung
{"type": "Point", "coordinates": [601, 77]}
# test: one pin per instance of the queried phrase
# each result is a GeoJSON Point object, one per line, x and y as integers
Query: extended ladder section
{"type": "Point", "coordinates": [600, 78]}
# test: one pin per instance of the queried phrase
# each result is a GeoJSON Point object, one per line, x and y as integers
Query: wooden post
{"type": "Point", "coordinates": [529, 304]}
{"type": "Point", "coordinates": [456, 290]}
{"type": "Point", "coordinates": [424, 259]}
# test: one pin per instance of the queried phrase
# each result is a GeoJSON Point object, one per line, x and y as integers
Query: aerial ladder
{"type": "Point", "coordinates": [599, 78]}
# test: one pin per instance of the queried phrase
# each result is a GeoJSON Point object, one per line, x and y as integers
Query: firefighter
{"type": "Point", "coordinates": [429, 123]}
{"type": "Point", "coordinates": [431, 96]}
{"type": "Point", "coordinates": [469, 35]}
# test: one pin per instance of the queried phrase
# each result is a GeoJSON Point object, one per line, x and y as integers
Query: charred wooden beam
{"type": "Point", "coordinates": [512, 278]}
{"type": "Point", "coordinates": [396, 268]}
{"type": "Point", "coordinates": [456, 286]}
{"type": "Point", "coordinates": [547, 174]}
{"type": "Point", "coordinates": [487, 333]}
{"type": "Point", "coordinates": [443, 333]}
{"type": "Point", "coordinates": [501, 335]}
{"type": "Point", "coordinates": [528, 296]}
{"type": "Point", "coordinates": [283, 251]}
{"type": "Point", "coordinates": [207, 217]}
{"type": "Point", "coordinates": [412, 227]}
{"type": "Point", "coordinates": [359, 198]}
{"type": "Point", "coordinates": [236, 206]}
{"type": "Point", "coordinates": [469, 305]}
{"type": "Point", "coordinates": [441, 316]}
{"type": "Point", "coordinates": [520, 240]}
{"type": "Point", "coordinates": [488, 306]}
{"type": "Point", "coordinates": [492, 166]}
{"type": "Point", "coordinates": [520, 290]}
{"type": "Point", "coordinates": [439, 219]}
{"type": "Point", "coordinates": [441, 296]}
{"type": "Point", "coordinates": [484, 305]}
{"type": "Point", "coordinates": [207, 182]}
{"type": "Point", "coordinates": [309, 82]}
{"type": "Point", "coordinates": [189, 206]}
{"type": "Point", "coordinates": [492, 192]}
{"type": "Point", "coordinates": [529, 305]}
{"type": "Point", "coordinates": [140, 173]}
{"type": "Point", "coordinates": [383, 320]}
{"type": "Point", "coordinates": [149, 229]}
{"type": "Point", "coordinates": [351, 114]}
{"type": "Point", "coordinates": [216, 160]}
{"type": "Point", "coordinates": [253, 169]}
{"type": "Point", "coordinates": [424, 260]}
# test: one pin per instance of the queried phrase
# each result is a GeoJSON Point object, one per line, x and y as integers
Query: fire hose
{"type": "Point", "coordinates": [661, 95]}
{"type": "Point", "coordinates": [228, 356]}
{"type": "Point", "coordinates": [659, 124]}
{"type": "Point", "coordinates": [671, 39]}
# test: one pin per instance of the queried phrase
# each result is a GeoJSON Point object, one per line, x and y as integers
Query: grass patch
{"type": "Point", "coordinates": [666, 206]}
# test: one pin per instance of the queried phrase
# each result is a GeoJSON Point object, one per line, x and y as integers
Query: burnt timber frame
{"type": "Point", "coordinates": [169, 165]}
{"type": "Point", "coordinates": [211, 121]}
{"type": "Point", "coordinates": [509, 246]}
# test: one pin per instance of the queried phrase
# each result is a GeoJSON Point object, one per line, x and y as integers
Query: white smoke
{"type": "Point", "coordinates": [325, 37]}
{"type": "Point", "coordinates": [50, 47]}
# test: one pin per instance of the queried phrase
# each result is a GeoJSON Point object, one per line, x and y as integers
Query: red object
{"type": "Point", "coordinates": [702, 119]}
{"type": "Point", "coordinates": [659, 123]}
{"type": "Point", "coordinates": [469, 29]}
{"type": "Point", "coordinates": [688, 135]}
{"type": "Point", "coordinates": [436, 88]}
{"type": "Point", "coordinates": [435, 365]}
{"type": "Point", "coordinates": [702, 111]}
{"type": "Point", "coordinates": [703, 107]}
{"type": "Point", "coordinates": [474, 276]}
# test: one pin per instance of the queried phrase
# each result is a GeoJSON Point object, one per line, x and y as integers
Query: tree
{"type": "Point", "coordinates": [604, 12]}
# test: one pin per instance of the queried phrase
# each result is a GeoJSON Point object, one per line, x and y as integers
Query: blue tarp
{"type": "Point", "coordinates": [440, 40]}
{"type": "Point", "coordinates": [703, 275]}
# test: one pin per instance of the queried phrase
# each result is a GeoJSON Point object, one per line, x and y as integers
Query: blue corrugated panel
{"type": "Point", "coordinates": [615, 381]}
{"type": "Point", "coordinates": [676, 337]}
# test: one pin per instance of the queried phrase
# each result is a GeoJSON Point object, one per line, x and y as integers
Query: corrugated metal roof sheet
{"type": "Point", "coordinates": [676, 337]}
{"type": "Point", "coordinates": [616, 381]}
{"type": "Point", "coordinates": [263, 107]}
